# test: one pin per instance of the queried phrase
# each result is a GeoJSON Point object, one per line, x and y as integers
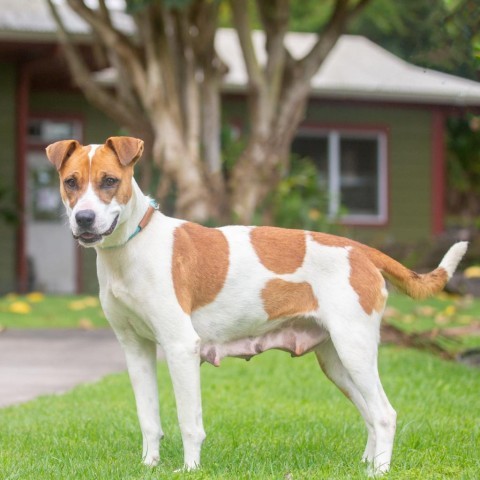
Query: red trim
{"type": "Point", "coordinates": [438, 171]}
{"type": "Point", "coordinates": [371, 103]}
{"type": "Point", "coordinates": [22, 100]}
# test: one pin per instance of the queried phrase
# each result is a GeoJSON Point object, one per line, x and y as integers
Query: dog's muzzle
{"type": "Point", "coordinates": [85, 220]}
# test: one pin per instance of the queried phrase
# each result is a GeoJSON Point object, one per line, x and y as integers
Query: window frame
{"type": "Point", "coordinates": [333, 135]}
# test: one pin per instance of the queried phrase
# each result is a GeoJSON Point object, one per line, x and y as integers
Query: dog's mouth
{"type": "Point", "coordinates": [90, 237]}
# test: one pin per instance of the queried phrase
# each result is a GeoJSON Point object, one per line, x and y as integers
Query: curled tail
{"type": "Point", "coordinates": [418, 285]}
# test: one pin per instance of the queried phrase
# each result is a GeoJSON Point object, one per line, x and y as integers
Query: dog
{"type": "Point", "coordinates": [206, 293]}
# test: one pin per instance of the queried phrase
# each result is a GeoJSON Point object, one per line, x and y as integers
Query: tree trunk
{"type": "Point", "coordinates": [267, 157]}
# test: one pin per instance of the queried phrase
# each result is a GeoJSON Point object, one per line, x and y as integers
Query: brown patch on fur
{"type": "Point", "coordinates": [200, 263]}
{"type": "Point", "coordinates": [76, 166]}
{"type": "Point", "coordinates": [105, 164]}
{"type": "Point", "coordinates": [59, 152]}
{"type": "Point", "coordinates": [332, 240]}
{"type": "Point", "coordinates": [127, 149]}
{"type": "Point", "coordinates": [413, 284]}
{"type": "Point", "coordinates": [367, 282]}
{"type": "Point", "coordinates": [283, 299]}
{"type": "Point", "coordinates": [279, 249]}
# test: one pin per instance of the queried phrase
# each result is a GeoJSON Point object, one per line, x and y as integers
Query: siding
{"type": "Point", "coordinates": [7, 173]}
{"type": "Point", "coordinates": [409, 165]}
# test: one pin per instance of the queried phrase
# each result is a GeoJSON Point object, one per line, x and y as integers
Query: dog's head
{"type": "Point", "coordinates": [95, 184]}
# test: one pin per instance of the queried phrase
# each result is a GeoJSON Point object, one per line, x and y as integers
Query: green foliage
{"type": "Point", "coordinates": [439, 34]}
{"type": "Point", "coordinates": [463, 164]}
{"type": "Point", "coordinates": [299, 201]}
{"type": "Point", "coordinates": [464, 153]}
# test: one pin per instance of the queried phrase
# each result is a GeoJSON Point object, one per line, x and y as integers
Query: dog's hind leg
{"type": "Point", "coordinates": [333, 368]}
{"type": "Point", "coordinates": [357, 348]}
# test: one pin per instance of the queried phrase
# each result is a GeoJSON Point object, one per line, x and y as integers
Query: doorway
{"type": "Point", "coordinates": [53, 255]}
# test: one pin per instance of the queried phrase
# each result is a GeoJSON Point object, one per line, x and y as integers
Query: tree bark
{"type": "Point", "coordinates": [168, 92]}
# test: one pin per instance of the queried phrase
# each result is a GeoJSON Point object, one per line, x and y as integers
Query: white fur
{"type": "Point", "coordinates": [452, 258]}
{"type": "Point", "coordinates": [138, 297]}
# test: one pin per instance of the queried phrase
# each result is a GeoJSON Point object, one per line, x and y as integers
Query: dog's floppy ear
{"type": "Point", "coordinates": [127, 149]}
{"type": "Point", "coordinates": [58, 152]}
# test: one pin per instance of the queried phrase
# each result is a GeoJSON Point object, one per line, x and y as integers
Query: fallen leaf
{"type": "Point", "coordinates": [19, 307]}
{"type": "Point", "coordinates": [391, 312]}
{"type": "Point", "coordinates": [76, 305]}
{"type": "Point", "coordinates": [472, 272]}
{"type": "Point", "coordinates": [91, 301]}
{"type": "Point", "coordinates": [426, 311]}
{"type": "Point", "coordinates": [86, 324]}
{"type": "Point", "coordinates": [35, 297]}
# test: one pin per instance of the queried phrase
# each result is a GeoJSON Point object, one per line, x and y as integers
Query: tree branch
{"type": "Point", "coordinates": [244, 31]}
{"type": "Point", "coordinates": [274, 15]}
{"type": "Point", "coordinates": [113, 39]}
{"type": "Point", "coordinates": [341, 15]}
{"type": "Point", "coordinates": [81, 74]}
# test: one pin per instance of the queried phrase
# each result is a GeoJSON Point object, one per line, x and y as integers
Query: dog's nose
{"type": "Point", "coordinates": [85, 218]}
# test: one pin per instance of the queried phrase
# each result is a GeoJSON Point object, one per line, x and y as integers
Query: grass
{"type": "Point", "coordinates": [272, 418]}
{"type": "Point", "coordinates": [440, 312]}
{"type": "Point", "coordinates": [39, 311]}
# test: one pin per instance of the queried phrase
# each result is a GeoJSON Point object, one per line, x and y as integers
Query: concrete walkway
{"type": "Point", "coordinates": [40, 362]}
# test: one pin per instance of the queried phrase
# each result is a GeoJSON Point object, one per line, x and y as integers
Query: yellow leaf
{"type": "Point", "coordinates": [90, 301]}
{"type": "Point", "coordinates": [35, 297]}
{"type": "Point", "coordinates": [86, 324]}
{"type": "Point", "coordinates": [314, 214]}
{"type": "Point", "coordinates": [19, 307]}
{"type": "Point", "coordinates": [450, 310]}
{"type": "Point", "coordinates": [472, 272]}
{"type": "Point", "coordinates": [76, 305]}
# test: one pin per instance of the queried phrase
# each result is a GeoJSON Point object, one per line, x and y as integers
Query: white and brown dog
{"type": "Point", "coordinates": [206, 293]}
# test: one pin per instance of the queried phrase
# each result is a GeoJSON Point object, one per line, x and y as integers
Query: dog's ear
{"type": "Point", "coordinates": [127, 149]}
{"type": "Point", "coordinates": [58, 152]}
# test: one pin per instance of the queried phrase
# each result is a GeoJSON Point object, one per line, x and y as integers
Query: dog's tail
{"type": "Point", "coordinates": [418, 285]}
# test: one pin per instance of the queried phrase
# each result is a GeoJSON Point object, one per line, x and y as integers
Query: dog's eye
{"type": "Point", "coordinates": [71, 183]}
{"type": "Point", "coordinates": [109, 182]}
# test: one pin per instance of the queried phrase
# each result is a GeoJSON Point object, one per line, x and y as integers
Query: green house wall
{"type": "Point", "coordinates": [409, 160]}
{"type": "Point", "coordinates": [7, 173]}
{"type": "Point", "coordinates": [409, 165]}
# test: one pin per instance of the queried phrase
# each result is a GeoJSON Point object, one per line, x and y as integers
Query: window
{"type": "Point", "coordinates": [352, 170]}
{"type": "Point", "coordinates": [44, 131]}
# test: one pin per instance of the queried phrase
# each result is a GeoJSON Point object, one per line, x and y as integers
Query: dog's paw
{"type": "Point", "coordinates": [151, 460]}
{"type": "Point", "coordinates": [377, 471]}
{"type": "Point", "coordinates": [187, 468]}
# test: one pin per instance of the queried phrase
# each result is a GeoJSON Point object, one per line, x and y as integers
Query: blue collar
{"type": "Point", "coordinates": [142, 224]}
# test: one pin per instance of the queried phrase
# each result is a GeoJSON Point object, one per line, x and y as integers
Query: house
{"type": "Point", "coordinates": [375, 128]}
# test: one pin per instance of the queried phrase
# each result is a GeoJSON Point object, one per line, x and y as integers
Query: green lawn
{"type": "Point", "coordinates": [272, 418]}
{"type": "Point", "coordinates": [38, 311]}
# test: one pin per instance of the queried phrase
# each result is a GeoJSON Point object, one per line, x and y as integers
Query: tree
{"type": "Point", "coordinates": [168, 92]}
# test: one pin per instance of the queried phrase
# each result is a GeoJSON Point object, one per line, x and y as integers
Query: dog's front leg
{"type": "Point", "coordinates": [183, 358]}
{"type": "Point", "coordinates": [141, 357]}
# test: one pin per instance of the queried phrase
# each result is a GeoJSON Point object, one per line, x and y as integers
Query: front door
{"type": "Point", "coordinates": [51, 250]}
